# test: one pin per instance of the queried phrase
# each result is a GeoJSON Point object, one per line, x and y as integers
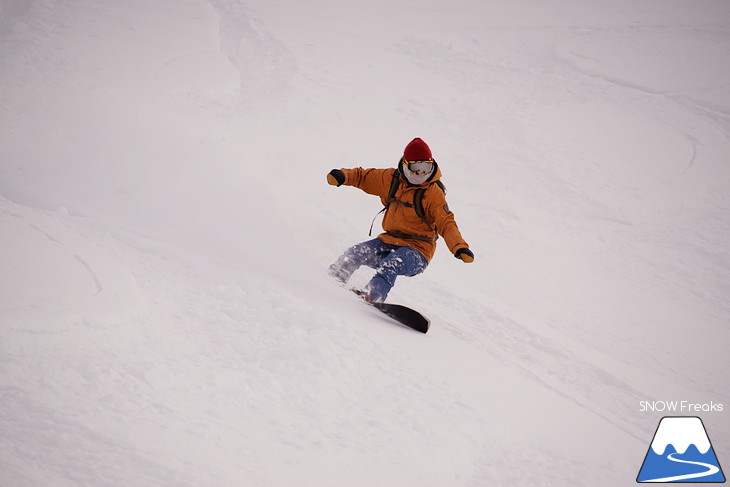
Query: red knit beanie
{"type": "Point", "coordinates": [417, 150]}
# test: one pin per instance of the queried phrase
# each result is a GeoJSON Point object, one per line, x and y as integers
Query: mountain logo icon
{"type": "Point", "coordinates": [681, 452]}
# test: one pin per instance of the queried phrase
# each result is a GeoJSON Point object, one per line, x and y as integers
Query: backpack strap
{"type": "Point", "coordinates": [394, 183]}
{"type": "Point", "coordinates": [418, 206]}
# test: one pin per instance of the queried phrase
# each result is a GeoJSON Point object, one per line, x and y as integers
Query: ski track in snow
{"type": "Point", "coordinates": [711, 470]}
{"type": "Point", "coordinates": [165, 315]}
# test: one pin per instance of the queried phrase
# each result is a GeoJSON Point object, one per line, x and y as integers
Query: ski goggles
{"type": "Point", "coordinates": [419, 167]}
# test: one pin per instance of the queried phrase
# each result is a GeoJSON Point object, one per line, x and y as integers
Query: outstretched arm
{"type": "Point", "coordinates": [372, 181]}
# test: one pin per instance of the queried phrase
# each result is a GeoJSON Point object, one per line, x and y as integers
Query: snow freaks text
{"type": "Point", "coordinates": [681, 407]}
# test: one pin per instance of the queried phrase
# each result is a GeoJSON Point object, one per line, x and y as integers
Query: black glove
{"type": "Point", "coordinates": [464, 254]}
{"type": "Point", "coordinates": [336, 177]}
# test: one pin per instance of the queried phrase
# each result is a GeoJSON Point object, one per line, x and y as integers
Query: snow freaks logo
{"type": "Point", "coordinates": [681, 452]}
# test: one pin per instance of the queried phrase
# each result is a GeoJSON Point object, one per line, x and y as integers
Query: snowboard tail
{"type": "Point", "coordinates": [404, 315]}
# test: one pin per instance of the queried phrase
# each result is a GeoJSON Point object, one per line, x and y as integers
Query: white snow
{"type": "Point", "coordinates": [165, 227]}
{"type": "Point", "coordinates": [680, 432]}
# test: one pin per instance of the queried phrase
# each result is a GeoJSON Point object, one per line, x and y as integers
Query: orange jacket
{"type": "Point", "coordinates": [400, 219]}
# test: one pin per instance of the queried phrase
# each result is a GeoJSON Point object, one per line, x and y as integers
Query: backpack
{"type": "Point", "coordinates": [417, 205]}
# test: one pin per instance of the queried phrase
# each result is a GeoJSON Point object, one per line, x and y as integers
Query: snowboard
{"type": "Point", "coordinates": [402, 314]}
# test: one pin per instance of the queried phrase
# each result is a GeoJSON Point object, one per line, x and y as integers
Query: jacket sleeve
{"type": "Point", "coordinates": [372, 181]}
{"type": "Point", "coordinates": [439, 213]}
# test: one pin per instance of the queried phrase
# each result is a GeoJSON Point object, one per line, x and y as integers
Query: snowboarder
{"type": "Point", "coordinates": [416, 212]}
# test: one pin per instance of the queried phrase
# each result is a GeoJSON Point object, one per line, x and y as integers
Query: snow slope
{"type": "Point", "coordinates": [165, 226]}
